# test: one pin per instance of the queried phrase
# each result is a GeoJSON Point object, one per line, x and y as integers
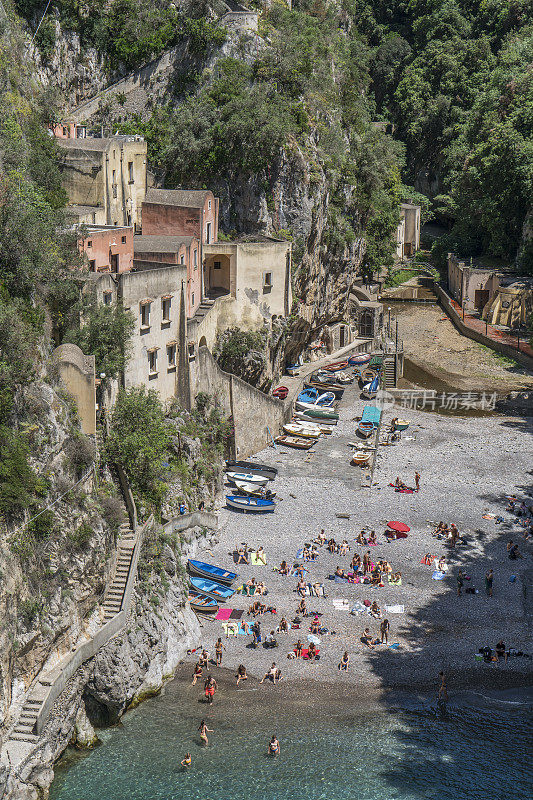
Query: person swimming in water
{"type": "Point", "coordinates": [273, 747]}
{"type": "Point", "coordinates": [187, 761]}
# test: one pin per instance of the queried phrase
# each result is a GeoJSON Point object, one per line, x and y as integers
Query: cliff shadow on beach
{"type": "Point", "coordinates": [457, 744]}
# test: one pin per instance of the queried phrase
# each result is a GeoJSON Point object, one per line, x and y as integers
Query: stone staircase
{"type": "Point", "coordinates": [389, 372]}
{"type": "Point", "coordinates": [203, 309]}
{"type": "Point", "coordinates": [115, 594]}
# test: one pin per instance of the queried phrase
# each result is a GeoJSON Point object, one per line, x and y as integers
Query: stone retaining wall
{"type": "Point", "coordinates": [477, 336]}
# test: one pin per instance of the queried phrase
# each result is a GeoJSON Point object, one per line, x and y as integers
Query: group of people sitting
{"type": "Point", "coordinates": [252, 587]}
{"type": "Point", "coordinates": [364, 538]}
{"type": "Point", "coordinates": [523, 513]}
{"type": "Point", "coordinates": [434, 561]}
{"type": "Point", "coordinates": [450, 533]}
{"type": "Point", "coordinates": [369, 571]}
{"type": "Point", "coordinates": [243, 554]}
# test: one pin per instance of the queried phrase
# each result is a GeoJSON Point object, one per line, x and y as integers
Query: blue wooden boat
{"type": "Point", "coordinates": [202, 604]}
{"type": "Point", "coordinates": [370, 390]}
{"type": "Point", "coordinates": [211, 589]}
{"type": "Point", "coordinates": [249, 504]}
{"type": "Point", "coordinates": [315, 397]}
{"type": "Point", "coordinates": [211, 572]}
{"type": "Point", "coordinates": [338, 391]}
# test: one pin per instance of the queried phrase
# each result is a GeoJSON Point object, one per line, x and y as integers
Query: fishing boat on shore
{"type": "Point", "coordinates": [256, 505]}
{"type": "Point", "coordinates": [211, 588]}
{"type": "Point", "coordinates": [337, 390]}
{"type": "Point", "coordinates": [298, 442]}
{"type": "Point", "coordinates": [202, 604]}
{"type": "Point", "coordinates": [365, 429]}
{"type": "Point", "coordinates": [253, 490]}
{"type": "Point", "coordinates": [312, 398]}
{"type": "Point", "coordinates": [337, 366]}
{"type": "Point", "coordinates": [370, 390]}
{"type": "Point", "coordinates": [401, 424]}
{"type": "Point", "coordinates": [248, 477]}
{"type": "Point", "coordinates": [361, 459]}
{"type": "Point", "coordinates": [343, 378]}
{"type": "Point", "coordinates": [323, 417]}
{"type": "Point", "coordinates": [210, 571]}
{"type": "Point", "coordinates": [306, 430]}
{"type": "Point", "coordinates": [367, 376]}
{"type": "Point", "coordinates": [360, 358]}
{"type": "Point", "coordinates": [254, 467]}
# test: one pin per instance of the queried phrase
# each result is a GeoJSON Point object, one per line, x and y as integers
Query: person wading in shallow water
{"type": "Point", "coordinates": [187, 761]}
{"type": "Point", "coordinates": [443, 691]}
{"type": "Point", "coordinates": [204, 730]}
{"type": "Point", "coordinates": [210, 687]}
{"type": "Point", "coordinates": [417, 481]}
{"type": "Point", "coordinates": [273, 747]}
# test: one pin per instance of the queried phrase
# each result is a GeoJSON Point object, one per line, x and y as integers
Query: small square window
{"type": "Point", "coordinates": [267, 280]}
{"type": "Point", "coordinates": [90, 243]}
{"type": "Point", "coordinates": [152, 362]}
{"type": "Point", "coordinates": [123, 240]}
{"type": "Point", "coordinates": [217, 265]}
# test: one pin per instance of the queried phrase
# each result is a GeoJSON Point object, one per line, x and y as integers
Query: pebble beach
{"type": "Point", "coordinates": [468, 465]}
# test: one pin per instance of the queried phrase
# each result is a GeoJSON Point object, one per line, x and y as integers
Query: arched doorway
{"type": "Point", "coordinates": [202, 342]}
{"type": "Point", "coordinates": [217, 275]}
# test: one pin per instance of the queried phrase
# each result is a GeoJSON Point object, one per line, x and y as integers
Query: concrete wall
{"type": "Point", "coordinates": [77, 373]}
{"type": "Point", "coordinates": [161, 219]}
{"type": "Point", "coordinates": [153, 285]}
{"type": "Point", "coordinates": [253, 412]}
{"type": "Point", "coordinates": [464, 281]}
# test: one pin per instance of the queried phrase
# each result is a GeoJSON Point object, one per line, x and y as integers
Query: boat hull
{"type": "Point", "coordinates": [338, 391]}
{"type": "Point", "coordinates": [360, 461]}
{"type": "Point", "coordinates": [202, 605]}
{"type": "Point", "coordinates": [252, 490]}
{"type": "Point", "coordinates": [252, 506]}
{"type": "Point", "coordinates": [365, 429]}
{"type": "Point", "coordinates": [250, 477]}
{"type": "Point", "coordinates": [302, 430]}
{"type": "Point", "coordinates": [401, 425]}
{"type": "Point", "coordinates": [355, 361]}
{"type": "Point", "coordinates": [296, 441]}
{"type": "Point", "coordinates": [309, 416]}
{"type": "Point", "coordinates": [211, 572]}
{"type": "Point", "coordinates": [252, 466]}
{"type": "Point", "coordinates": [216, 591]}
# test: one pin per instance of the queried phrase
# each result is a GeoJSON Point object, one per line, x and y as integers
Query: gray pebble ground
{"type": "Point", "coordinates": [467, 465]}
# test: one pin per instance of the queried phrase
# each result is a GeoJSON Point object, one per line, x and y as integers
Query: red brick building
{"type": "Point", "coordinates": [181, 212]}
{"type": "Point", "coordinates": [108, 248]}
{"type": "Point", "coordinates": [153, 251]}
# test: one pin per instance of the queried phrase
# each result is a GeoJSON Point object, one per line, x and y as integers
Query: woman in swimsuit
{"type": "Point", "coordinates": [345, 660]}
{"type": "Point", "coordinates": [311, 651]}
{"type": "Point", "coordinates": [372, 538]}
{"type": "Point", "coordinates": [356, 562]}
{"type": "Point", "coordinates": [384, 630]}
{"type": "Point", "coordinates": [298, 649]}
{"type": "Point", "coordinates": [242, 558]}
{"type": "Point", "coordinates": [375, 610]}
{"type": "Point", "coordinates": [204, 730]}
{"type": "Point", "coordinates": [283, 626]}
{"type": "Point", "coordinates": [306, 555]}
{"type": "Point", "coordinates": [260, 555]}
{"type": "Point", "coordinates": [219, 647]}
{"type": "Point", "coordinates": [332, 545]}
{"type": "Point", "coordinates": [343, 549]}
{"type": "Point", "coordinates": [315, 626]}
{"type": "Point", "coordinates": [241, 674]}
{"type": "Point", "coordinates": [187, 761]}
{"type": "Point", "coordinates": [273, 747]}
{"type": "Point", "coordinates": [197, 673]}
{"type": "Point", "coordinates": [339, 573]}
{"type": "Point", "coordinates": [283, 570]}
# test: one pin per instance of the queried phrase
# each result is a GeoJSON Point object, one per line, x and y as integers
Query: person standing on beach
{"type": "Point", "coordinates": [219, 647]}
{"type": "Point", "coordinates": [273, 747]}
{"type": "Point", "coordinates": [384, 629]}
{"type": "Point", "coordinates": [417, 481]}
{"type": "Point", "coordinates": [460, 582]}
{"type": "Point", "coordinates": [204, 730]}
{"type": "Point", "coordinates": [210, 687]}
{"type": "Point", "coordinates": [488, 582]}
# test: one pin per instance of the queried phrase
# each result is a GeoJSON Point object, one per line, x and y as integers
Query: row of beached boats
{"type": "Point", "coordinates": [209, 586]}
{"type": "Point", "coordinates": [249, 481]}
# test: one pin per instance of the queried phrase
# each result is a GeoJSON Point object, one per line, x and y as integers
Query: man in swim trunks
{"type": "Point", "coordinates": [210, 687]}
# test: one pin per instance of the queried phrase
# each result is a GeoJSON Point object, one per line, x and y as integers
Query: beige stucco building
{"type": "Point", "coordinates": [105, 179]}
{"type": "Point", "coordinates": [408, 231]}
{"type": "Point", "coordinates": [472, 286]}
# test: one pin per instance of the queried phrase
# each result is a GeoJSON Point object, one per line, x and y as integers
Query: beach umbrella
{"type": "Point", "coordinates": [399, 527]}
{"type": "Point", "coordinates": [314, 639]}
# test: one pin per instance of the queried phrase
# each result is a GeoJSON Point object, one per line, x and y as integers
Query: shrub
{"type": "Point", "coordinates": [18, 481]}
{"type": "Point", "coordinates": [43, 526]}
{"type": "Point", "coordinates": [80, 536]}
{"type": "Point", "coordinates": [80, 452]}
{"type": "Point", "coordinates": [28, 610]}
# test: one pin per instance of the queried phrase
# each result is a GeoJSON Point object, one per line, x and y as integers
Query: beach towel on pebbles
{"type": "Point", "coordinates": [340, 604]}
{"type": "Point", "coordinates": [438, 576]}
{"type": "Point", "coordinates": [395, 609]}
{"type": "Point", "coordinates": [256, 562]}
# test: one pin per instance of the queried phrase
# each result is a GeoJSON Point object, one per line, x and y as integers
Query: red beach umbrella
{"type": "Point", "coordinates": [399, 527]}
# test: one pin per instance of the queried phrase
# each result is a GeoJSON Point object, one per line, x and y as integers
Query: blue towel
{"type": "Point", "coordinates": [438, 576]}
{"type": "Point", "coordinates": [300, 553]}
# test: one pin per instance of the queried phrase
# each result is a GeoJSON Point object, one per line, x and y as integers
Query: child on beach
{"type": "Point", "coordinates": [345, 660]}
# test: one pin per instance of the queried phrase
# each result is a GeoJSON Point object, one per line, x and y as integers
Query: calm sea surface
{"type": "Point", "coordinates": [384, 754]}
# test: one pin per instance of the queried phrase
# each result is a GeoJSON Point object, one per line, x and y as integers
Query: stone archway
{"type": "Point", "coordinates": [202, 342]}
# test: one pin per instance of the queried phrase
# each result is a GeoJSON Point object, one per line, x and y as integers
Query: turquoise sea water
{"type": "Point", "coordinates": [370, 755]}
